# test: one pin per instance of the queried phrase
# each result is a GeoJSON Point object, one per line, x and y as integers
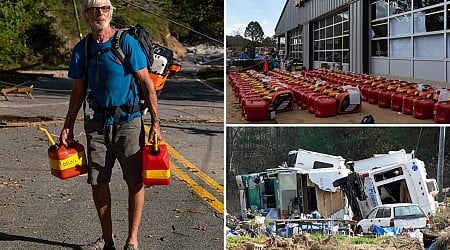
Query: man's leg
{"type": "Point", "coordinates": [102, 201]}
{"type": "Point", "coordinates": [135, 207]}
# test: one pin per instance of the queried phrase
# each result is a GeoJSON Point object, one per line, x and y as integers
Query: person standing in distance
{"type": "Point", "coordinates": [116, 130]}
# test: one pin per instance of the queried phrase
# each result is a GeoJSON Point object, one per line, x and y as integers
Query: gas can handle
{"type": "Point", "coordinates": [155, 144]}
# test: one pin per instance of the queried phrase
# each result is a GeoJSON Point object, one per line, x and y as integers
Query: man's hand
{"type": "Point", "coordinates": [66, 137]}
{"type": "Point", "coordinates": [155, 130]}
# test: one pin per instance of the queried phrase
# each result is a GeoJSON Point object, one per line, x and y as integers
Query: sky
{"type": "Point", "coordinates": [239, 13]}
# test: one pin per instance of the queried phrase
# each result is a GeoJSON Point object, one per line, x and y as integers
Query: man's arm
{"type": "Point", "coordinates": [150, 95]}
{"type": "Point", "coordinates": [76, 100]}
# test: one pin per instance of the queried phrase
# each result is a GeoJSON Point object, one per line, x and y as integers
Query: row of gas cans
{"type": "Point", "coordinates": [422, 101]}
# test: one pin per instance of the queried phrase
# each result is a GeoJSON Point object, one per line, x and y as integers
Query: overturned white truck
{"type": "Point", "coordinates": [337, 188]}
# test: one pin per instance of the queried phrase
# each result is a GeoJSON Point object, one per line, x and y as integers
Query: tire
{"type": "Point", "coordinates": [359, 230]}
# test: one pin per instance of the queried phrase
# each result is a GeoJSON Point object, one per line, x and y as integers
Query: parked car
{"type": "Point", "coordinates": [400, 215]}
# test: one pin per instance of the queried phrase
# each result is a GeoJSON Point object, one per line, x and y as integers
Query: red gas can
{"type": "Point", "coordinates": [65, 162]}
{"type": "Point", "coordinates": [311, 101]}
{"type": "Point", "coordinates": [373, 95]}
{"type": "Point", "coordinates": [397, 101]}
{"type": "Point", "coordinates": [304, 99]}
{"type": "Point", "coordinates": [384, 99]}
{"type": "Point", "coordinates": [442, 112]}
{"type": "Point", "coordinates": [325, 106]}
{"type": "Point", "coordinates": [256, 110]}
{"type": "Point", "coordinates": [408, 104]}
{"type": "Point", "coordinates": [423, 108]}
{"type": "Point", "coordinates": [156, 167]}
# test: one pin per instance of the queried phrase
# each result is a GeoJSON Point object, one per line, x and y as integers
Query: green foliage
{"type": "Point", "coordinates": [237, 43]}
{"type": "Point", "coordinates": [364, 240]}
{"type": "Point", "coordinates": [205, 16]}
{"type": "Point", "coordinates": [45, 31]}
{"type": "Point", "coordinates": [15, 18]}
{"type": "Point", "coordinates": [254, 32]}
{"type": "Point", "coordinates": [235, 240]}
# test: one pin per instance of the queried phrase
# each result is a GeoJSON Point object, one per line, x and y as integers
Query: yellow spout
{"type": "Point", "coordinates": [49, 136]}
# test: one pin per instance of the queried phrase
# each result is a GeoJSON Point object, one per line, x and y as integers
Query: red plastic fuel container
{"type": "Point", "coordinates": [156, 167]}
{"type": "Point", "coordinates": [69, 162]}
{"type": "Point", "coordinates": [65, 162]}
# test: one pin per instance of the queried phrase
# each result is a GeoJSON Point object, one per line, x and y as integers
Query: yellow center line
{"type": "Point", "coordinates": [203, 193]}
{"type": "Point", "coordinates": [191, 167]}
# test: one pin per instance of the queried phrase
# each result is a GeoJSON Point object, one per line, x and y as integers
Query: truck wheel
{"type": "Point", "coordinates": [359, 230]}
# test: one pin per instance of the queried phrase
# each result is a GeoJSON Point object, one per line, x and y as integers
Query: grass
{"type": "Point", "coordinates": [236, 240]}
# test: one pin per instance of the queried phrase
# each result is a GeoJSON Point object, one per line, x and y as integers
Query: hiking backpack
{"type": "Point", "coordinates": [159, 59]}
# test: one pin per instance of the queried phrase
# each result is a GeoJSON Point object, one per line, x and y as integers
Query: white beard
{"type": "Point", "coordinates": [99, 26]}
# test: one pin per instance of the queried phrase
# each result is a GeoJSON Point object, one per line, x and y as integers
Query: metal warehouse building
{"type": "Point", "coordinates": [401, 38]}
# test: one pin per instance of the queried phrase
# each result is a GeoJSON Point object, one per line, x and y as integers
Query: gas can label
{"type": "Point", "coordinates": [69, 162]}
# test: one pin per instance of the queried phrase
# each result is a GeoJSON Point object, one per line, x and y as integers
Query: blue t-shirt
{"type": "Point", "coordinates": [108, 80]}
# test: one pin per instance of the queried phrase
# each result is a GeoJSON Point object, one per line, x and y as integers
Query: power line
{"type": "Point", "coordinates": [175, 22]}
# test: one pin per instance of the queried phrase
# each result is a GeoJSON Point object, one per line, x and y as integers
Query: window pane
{"type": "Point", "coordinates": [346, 28]}
{"type": "Point", "coordinates": [379, 29]}
{"type": "Point", "coordinates": [400, 25]}
{"type": "Point", "coordinates": [346, 42]}
{"type": "Point", "coordinates": [322, 44]}
{"type": "Point", "coordinates": [316, 25]}
{"type": "Point", "coordinates": [448, 16]}
{"type": "Point", "coordinates": [448, 45]}
{"type": "Point", "coordinates": [329, 56]}
{"type": "Point", "coordinates": [338, 43]}
{"type": "Point", "coordinates": [379, 47]}
{"type": "Point", "coordinates": [316, 35]}
{"type": "Point", "coordinates": [316, 56]}
{"type": "Point", "coordinates": [329, 32]}
{"type": "Point", "coordinates": [399, 6]}
{"type": "Point", "coordinates": [337, 56]}
{"type": "Point", "coordinates": [429, 46]}
{"type": "Point", "coordinates": [338, 30]}
{"type": "Point", "coordinates": [322, 33]}
{"type": "Point", "coordinates": [419, 22]}
{"type": "Point", "coordinates": [380, 10]}
{"type": "Point", "coordinates": [424, 3]}
{"type": "Point", "coordinates": [400, 47]}
{"type": "Point", "coordinates": [346, 56]}
{"type": "Point", "coordinates": [434, 19]}
{"type": "Point", "coordinates": [329, 43]}
{"type": "Point", "coordinates": [338, 18]}
{"type": "Point", "coordinates": [329, 21]}
{"type": "Point", "coordinates": [321, 56]}
{"type": "Point", "coordinates": [345, 15]}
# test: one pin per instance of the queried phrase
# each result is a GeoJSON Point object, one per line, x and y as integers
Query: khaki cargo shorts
{"type": "Point", "coordinates": [130, 138]}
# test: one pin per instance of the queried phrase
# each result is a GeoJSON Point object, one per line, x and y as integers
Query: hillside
{"type": "Point", "coordinates": [42, 33]}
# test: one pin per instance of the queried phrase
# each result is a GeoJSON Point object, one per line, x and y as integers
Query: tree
{"type": "Point", "coordinates": [254, 32]}
{"type": "Point", "coordinates": [267, 42]}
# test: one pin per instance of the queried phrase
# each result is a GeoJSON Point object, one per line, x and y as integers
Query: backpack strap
{"type": "Point", "coordinates": [117, 50]}
{"type": "Point", "coordinates": [87, 54]}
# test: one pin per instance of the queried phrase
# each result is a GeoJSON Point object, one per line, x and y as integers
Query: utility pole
{"type": "Point", "coordinates": [78, 19]}
{"type": "Point", "coordinates": [440, 165]}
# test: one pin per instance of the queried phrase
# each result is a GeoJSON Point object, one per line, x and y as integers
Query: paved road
{"type": "Point", "coordinates": [39, 211]}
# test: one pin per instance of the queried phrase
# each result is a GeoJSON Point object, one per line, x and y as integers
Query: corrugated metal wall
{"type": "Point", "coordinates": [356, 31]}
{"type": "Point", "coordinates": [293, 16]}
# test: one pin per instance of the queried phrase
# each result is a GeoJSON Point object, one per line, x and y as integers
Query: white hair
{"type": "Point", "coordinates": [89, 3]}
